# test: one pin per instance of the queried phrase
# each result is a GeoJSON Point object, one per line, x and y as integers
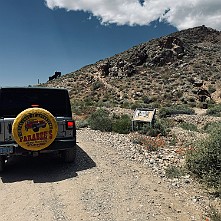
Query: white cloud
{"type": "Point", "coordinates": [179, 13]}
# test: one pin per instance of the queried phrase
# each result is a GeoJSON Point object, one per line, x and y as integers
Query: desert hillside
{"type": "Point", "coordinates": [183, 67]}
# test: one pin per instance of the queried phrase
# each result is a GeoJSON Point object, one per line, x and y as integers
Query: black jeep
{"type": "Point", "coordinates": [16, 117]}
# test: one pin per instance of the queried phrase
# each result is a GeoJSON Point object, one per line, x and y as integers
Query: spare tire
{"type": "Point", "coordinates": [34, 129]}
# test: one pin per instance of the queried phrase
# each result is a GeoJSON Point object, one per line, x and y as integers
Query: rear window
{"type": "Point", "coordinates": [15, 100]}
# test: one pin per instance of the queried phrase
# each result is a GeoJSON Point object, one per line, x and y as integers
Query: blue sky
{"type": "Point", "coordinates": [40, 37]}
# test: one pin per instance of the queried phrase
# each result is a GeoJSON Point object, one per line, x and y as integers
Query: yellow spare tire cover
{"type": "Point", "coordinates": [34, 129]}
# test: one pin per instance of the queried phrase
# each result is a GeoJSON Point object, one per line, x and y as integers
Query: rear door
{"type": "Point", "coordinates": [6, 130]}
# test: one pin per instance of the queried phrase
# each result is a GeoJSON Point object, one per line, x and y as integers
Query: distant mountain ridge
{"type": "Point", "coordinates": [183, 67]}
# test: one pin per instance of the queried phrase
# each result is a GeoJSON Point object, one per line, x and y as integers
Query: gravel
{"type": "Point", "coordinates": [184, 187]}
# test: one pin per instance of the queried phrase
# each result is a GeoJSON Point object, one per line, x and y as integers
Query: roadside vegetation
{"type": "Point", "coordinates": [175, 109]}
{"type": "Point", "coordinates": [105, 121]}
{"type": "Point", "coordinates": [214, 214]}
{"type": "Point", "coordinates": [214, 110]}
{"type": "Point", "coordinates": [203, 160]}
{"type": "Point", "coordinates": [188, 126]}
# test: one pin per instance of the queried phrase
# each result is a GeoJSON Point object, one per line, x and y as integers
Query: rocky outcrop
{"type": "Point", "coordinates": [170, 49]}
{"type": "Point", "coordinates": [170, 69]}
{"type": "Point", "coordinates": [56, 75]}
{"type": "Point", "coordinates": [104, 68]}
{"type": "Point", "coordinates": [120, 68]}
{"type": "Point", "coordinates": [139, 57]}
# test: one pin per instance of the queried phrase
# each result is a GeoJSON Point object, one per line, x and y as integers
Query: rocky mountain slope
{"type": "Point", "coordinates": [183, 67]}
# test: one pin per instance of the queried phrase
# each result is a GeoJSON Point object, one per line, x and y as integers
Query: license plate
{"type": "Point", "coordinates": [6, 150]}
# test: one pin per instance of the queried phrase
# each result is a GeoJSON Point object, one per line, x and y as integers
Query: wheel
{"type": "Point", "coordinates": [37, 138]}
{"type": "Point", "coordinates": [69, 155]}
{"type": "Point", "coordinates": [2, 163]}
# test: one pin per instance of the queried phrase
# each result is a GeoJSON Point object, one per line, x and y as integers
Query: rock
{"type": "Point", "coordinates": [152, 161]}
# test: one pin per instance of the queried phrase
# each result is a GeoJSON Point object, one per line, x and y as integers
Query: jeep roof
{"type": "Point", "coordinates": [13, 100]}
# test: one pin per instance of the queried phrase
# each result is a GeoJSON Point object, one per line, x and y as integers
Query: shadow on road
{"type": "Point", "coordinates": [45, 168]}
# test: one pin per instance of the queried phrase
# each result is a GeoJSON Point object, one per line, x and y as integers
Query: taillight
{"type": "Point", "coordinates": [69, 125]}
{"type": "Point", "coordinates": [35, 105]}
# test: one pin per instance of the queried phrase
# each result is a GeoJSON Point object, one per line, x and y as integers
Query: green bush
{"type": "Point", "coordinates": [136, 105]}
{"type": "Point", "coordinates": [214, 110]}
{"type": "Point", "coordinates": [96, 85]}
{"type": "Point", "coordinates": [205, 160]}
{"type": "Point", "coordinates": [81, 124]}
{"type": "Point", "coordinates": [179, 94]}
{"type": "Point", "coordinates": [211, 89]}
{"type": "Point", "coordinates": [146, 100]}
{"type": "Point", "coordinates": [211, 127]}
{"type": "Point", "coordinates": [174, 172]}
{"type": "Point", "coordinates": [188, 126]}
{"type": "Point", "coordinates": [176, 109]}
{"type": "Point", "coordinates": [122, 125]}
{"type": "Point", "coordinates": [126, 104]}
{"type": "Point", "coordinates": [158, 127]}
{"type": "Point", "coordinates": [81, 107]}
{"type": "Point", "coordinates": [214, 214]}
{"type": "Point", "coordinates": [100, 120]}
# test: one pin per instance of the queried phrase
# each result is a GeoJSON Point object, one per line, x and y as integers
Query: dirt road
{"type": "Point", "coordinates": [103, 185]}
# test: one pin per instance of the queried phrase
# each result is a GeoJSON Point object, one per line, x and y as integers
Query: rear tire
{"type": "Point", "coordinates": [69, 155]}
{"type": "Point", "coordinates": [2, 163]}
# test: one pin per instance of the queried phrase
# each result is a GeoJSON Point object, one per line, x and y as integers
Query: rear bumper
{"type": "Point", "coordinates": [61, 144]}
{"type": "Point", "coordinates": [57, 145]}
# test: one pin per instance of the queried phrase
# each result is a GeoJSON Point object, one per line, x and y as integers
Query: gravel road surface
{"type": "Point", "coordinates": [104, 184]}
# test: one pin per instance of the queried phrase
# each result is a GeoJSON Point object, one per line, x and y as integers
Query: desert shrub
{"type": "Point", "coordinates": [154, 105]}
{"type": "Point", "coordinates": [205, 160]}
{"type": "Point", "coordinates": [136, 105]}
{"type": "Point", "coordinates": [158, 127]}
{"type": "Point", "coordinates": [81, 107]}
{"type": "Point", "coordinates": [105, 104]}
{"type": "Point", "coordinates": [143, 128]}
{"type": "Point", "coordinates": [96, 85]}
{"type": "Point", "coordinates": [192, 104]}
{"type": "Point", "coordinates": [149, 143]}
{"type": "Point", "coordinates": [211, 127]}
{"type": "Point", "coordinates": [122, 124]}
{"type": "Point", "coordinates": [81, 123]}
{"type": "Point", "coordinates": [174, 172]}
{"type": "Point", "coordinates": [211, 89]}
{"type": "Point", "coordinates": [188, 126]}
{"type": "Point", "coordinates": [126, 104]}
{"type": "Point", "coordinates": [88, 101]}
{"type": "Point", "coordinates": [214, 214]}
{"type": "Point", "coordinates": [100, 120]}
{"type": "Point", "coordinates": [214, 110]}
{"type": "Point", "coordinates": [147, 100]}
{"type": "Point", "coordinates": [179, 94]}
{"type": "Point", "coordinates": [176, 109]}
{"type": "Point", "coordinates": [173, 140]}
{"type": "Point", "coordinates": [191, 99]}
